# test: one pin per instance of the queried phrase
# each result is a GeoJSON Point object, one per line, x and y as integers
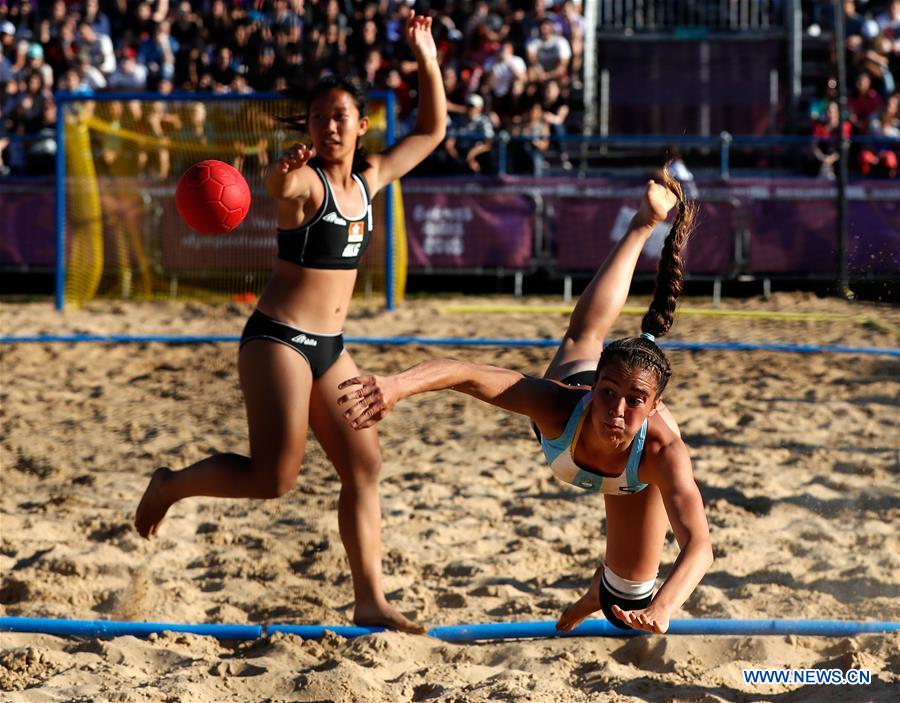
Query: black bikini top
{"type": "Point", "coordinates": [331, 240]}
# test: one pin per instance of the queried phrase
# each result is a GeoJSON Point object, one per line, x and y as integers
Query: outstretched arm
{"type": "Point", "coordinates": [672, 473]}
{"type": "Point", "coordinates": [373, 397]}
{"type": "Point", "coordinates": [431, 122]}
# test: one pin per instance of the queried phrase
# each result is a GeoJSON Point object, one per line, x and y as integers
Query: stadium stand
{"type": "Point", "coordinates": [523, 59]}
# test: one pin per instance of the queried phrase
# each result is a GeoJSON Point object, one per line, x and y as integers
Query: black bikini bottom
{"type": "Point", "coordinates": [320, 350]}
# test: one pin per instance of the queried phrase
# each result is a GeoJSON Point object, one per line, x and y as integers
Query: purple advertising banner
{"type": "Point", "coordinates": [785, 226]}
{"type": "Point", "coordinates": [584, 231]}
{"type": "Point", "coordinates": [794, 228]}
{"type": "Point", "coordinates": [27, 228]}
{"type": "Point", "coordinates": [468, 231]}
{"type": "Point", "coordinates": [250, 247]}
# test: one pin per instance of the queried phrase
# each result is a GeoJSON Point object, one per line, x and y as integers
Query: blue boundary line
{"type": "Point", "coordinates": [458, 342]}
{"type": "Point", "coordinates": [450, 633]}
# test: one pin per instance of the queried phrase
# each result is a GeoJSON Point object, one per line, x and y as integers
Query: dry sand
{"type": "Point", "coordinates": [796, 457]}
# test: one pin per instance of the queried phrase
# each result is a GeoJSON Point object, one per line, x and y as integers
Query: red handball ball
{"type": "Point", "coordinates": [212, 197]}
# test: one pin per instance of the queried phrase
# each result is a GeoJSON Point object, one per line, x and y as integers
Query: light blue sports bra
{"type": "Point", "coordinates": [560, 452]}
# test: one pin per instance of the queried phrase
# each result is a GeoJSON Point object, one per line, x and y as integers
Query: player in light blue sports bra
{"type": "Point", "coordinates": [559, 453]}
{"type": "Point", "coordinates": [602, 426]}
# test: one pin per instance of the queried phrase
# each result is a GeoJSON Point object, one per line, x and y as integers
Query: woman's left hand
{"type": "Point", "coordinates": [648, 619]}
{"type": "Point", "coordinates": [418, 34]}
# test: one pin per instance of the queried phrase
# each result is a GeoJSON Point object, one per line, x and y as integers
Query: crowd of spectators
{"type": "Point", "coordinates": [511, 67]}
{"type": "Point", "coordinates": [872, 31]}
{"type": "Point", "coordinates": [502, 52]}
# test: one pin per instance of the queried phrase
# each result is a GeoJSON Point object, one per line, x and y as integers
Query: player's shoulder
{"type": "Point", "coordinates": [664, 448]}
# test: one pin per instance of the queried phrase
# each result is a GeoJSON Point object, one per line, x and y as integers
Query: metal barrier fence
{"type": "Point", "coordinates": [583, 148]}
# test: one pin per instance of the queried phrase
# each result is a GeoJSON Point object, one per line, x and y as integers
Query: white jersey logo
{"type": "Point", "coordinates": [304, 340]}
{"type": "Point", "coordinates": [334, 219]}
{"type": "Point", "coordinates": [351, 250]}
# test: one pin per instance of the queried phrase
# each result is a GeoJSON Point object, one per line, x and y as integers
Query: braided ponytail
{"type": "Point", "coordinates": [643, 352]}
{"type": "Point", "coordinates": [670, 271]}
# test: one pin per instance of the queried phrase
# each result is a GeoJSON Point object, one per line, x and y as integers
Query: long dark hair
{"type": "Point", "coordinates": [643, 352]}
{"type": "Point", "coordinates": [347, 84]}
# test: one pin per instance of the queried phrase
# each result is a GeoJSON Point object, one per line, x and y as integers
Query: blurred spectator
{"type": "Point", "coordinates": [95, 17]}
{"type": "Point", "coordinates": [263, 75]}
{"type": "Point", "coordinates": [372, 66]}
{"type": "Point", "coordinates": [455, 90]}
{"type": "Point", "coordinates": [528, 152]}
{"type": "Point", "coordinates": [332, 46]}
{"type": "Point", "coordinates": [827, 134]}
{"type": "Point", "coordinates": [35, 62]}
{"type": "Point", "coordinates": [470, 143]}
{"type": "Point", "coordinates": [876, 61]}
{"type": "Point", "coordinates": [503, 69]}
{"type": "Point", "coordinates": [187, 28]}
{"type": "Point", "coordinates": [33, 115]}
{"type": "Point", "coordinates": [157, 52]}
{"type": "Point", "coordinates": [881, 159]}
{"type": "Point", "coordinates": [7, 49]}
{"type": "Point", "coordinates": [573, 29]}
{"type": "Point", "coordinates": [191, 69]}
{"type": "Point", "coordinates": [365, 40]}
{"type": "Point", "coordinates": [160, 123]}
{"type": "Point", "coordinates": [130, 75]}
{"type": "Point", "coordinates": [20, 62]}
{"type": "Point", "coordinates": [511, 107]}
{"type": "Point", "coordinates": [242, 51]}
{"type": "Point", "coordinates": [217, 24]}
{"type": "Point", "coordinates": [284, 19]}
{"type": "Point", "coordinates": [889, 23]}
{"type": "Point", "coordinates": [98, 48]}
{"type": "Point", "coordinates": [549, 55]}
{"type": "Point", "coordinates": [853, 22]}
{"type": "Point", "coordinates": [82, 78]}
{"type": "Point", "coordinates": [196, 130]}
{"type": "Point", "coordinates": [223, 71]}
{"type": "Point", "coordinates": [864, 101]}
{"type": "Point", "coordinates": [393, 80]}
{"type": "Point", "coordinates": [61, 50]}
{"type": "Point", "coordinates": [555, 111]}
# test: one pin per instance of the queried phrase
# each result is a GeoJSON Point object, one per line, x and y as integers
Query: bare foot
{"type": "Point", "coordinates": [153, 506]}
{"type": "Point", "coordinates": [576, 613]}
{"type": "Point", "coordinates": [385, 616]}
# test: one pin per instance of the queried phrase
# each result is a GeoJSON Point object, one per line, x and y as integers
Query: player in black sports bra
{"type": "Point", "coordinates": [292, 356]}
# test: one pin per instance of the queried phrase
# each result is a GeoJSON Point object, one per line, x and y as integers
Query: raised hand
{"type": "Point", "coordinates": [295, 157]}
{"type": "Point", "coordinates": [418, 34]}
{"type": "Point", "coordinates": [649, 619]}
{"type": "Point", "coordinates": [656, 204]}
{"type": "Point", "coordinates": [370, 402]}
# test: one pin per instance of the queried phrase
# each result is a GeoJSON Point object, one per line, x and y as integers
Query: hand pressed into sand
{"type": "Point", "coordinates": [650, 619]}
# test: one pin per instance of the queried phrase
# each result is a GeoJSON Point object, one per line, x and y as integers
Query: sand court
{"type": "Point", "coordinates": [796, 456]}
